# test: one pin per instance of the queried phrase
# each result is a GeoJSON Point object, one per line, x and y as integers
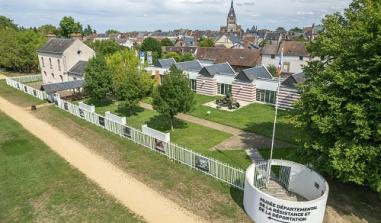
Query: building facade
{"type": "Point", "coordinates": [63, 60]}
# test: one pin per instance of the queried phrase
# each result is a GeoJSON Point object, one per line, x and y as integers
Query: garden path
{"type": "Point", "coordinates": [135, 195]}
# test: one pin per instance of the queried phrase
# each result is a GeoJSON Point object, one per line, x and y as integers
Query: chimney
{"type": "Point", "coordinates": [50, 36]}
{"type": "Point", "coordinates": [76, 36]}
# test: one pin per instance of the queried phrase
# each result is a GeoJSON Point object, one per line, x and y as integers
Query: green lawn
{"type": "Point", "coordinates": [18, 97]}
{"type": "Point", "coordinates": [36, 185]}
{"type": "Point", "coordinates": [188, 135]}
{"type": "Point", "coordinates": [257, 118]}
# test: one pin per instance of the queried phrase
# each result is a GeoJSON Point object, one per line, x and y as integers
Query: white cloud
{"type": "Point", "coordinates": [170, 14]}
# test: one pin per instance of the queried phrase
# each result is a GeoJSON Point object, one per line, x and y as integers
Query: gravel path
{"type": "Point", "coordinates": [136, 196]}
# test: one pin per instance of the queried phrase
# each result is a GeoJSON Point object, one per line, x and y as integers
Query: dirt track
{"type": "Point", "coordinates": [136, 196]}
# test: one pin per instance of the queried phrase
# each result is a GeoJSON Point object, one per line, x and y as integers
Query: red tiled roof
{"type": "Point", "coordinates": [235, 57]}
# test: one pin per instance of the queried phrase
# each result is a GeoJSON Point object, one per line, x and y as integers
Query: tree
{"type": "Point", "coordinates": [47, 29]}
{"type": "Point", "coordinates": [18, 49]}
{"type": "Point", "coordinates": [151, 44]}
{"type": "Point", "coordinates": [6, 23]}
{"type": "Point", "coordinates": [98, 78]}
{"type": "Point", "coordinates": [112, 31]}
{"type": "Point", "coordinates": [105, 47]}
{"type": "Point", "coordinates": [340, 107]}
{"type": "Point", "coordinates": [131, 83]}
{"type": "Point", "coordinates": [173, 55]}
{"type": "Point", "coordinates": [296, 30]}
{"type": "Point", "coordinates": [166, 42]}
{"type": "Point", "coordinates": [206, 42]}
{"type": "Point", "coordinates": [69, 26]}
{"type": "Point", "coordinates": [187, 57]}
{"type": "Point", "coordinates": [174, 95]}
{"type": "Point", "coordinates": [272, 69]}
{"type": "Point", "coordinates": [88, 31]}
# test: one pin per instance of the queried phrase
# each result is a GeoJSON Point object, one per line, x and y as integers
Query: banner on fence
{"type": "Point", "coordinates": [115, 118]}
{"type": "Point", "coordinates": [89, 108]}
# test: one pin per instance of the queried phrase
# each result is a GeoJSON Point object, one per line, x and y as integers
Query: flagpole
{"type": "Point", "coordinates": [279, 71]}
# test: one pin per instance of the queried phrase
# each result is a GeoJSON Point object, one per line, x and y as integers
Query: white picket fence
{"type": "Point", "coordinates": [220, 171]}
{"type": "Point", "coordinates": [17, 82]}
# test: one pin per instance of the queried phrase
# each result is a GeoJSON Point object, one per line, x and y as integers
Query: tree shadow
{"type": "Point", "coordinates": [99, 103]}
{"type": "Point", "coordinates": [125, 111]}
{"type": "Point", "coordinates": [162, 123]}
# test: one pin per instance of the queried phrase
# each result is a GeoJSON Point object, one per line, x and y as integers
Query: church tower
{"type": "Point", "coordinates": [231, 23]}
{"type": "Point", "coordinates": [232, 19]}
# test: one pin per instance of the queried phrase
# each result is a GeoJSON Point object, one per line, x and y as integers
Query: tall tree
{"type": "Point", "coordinates": [18, 49]}
{"type": "Point", "coordinates": [206, 42]}
{"type": "Point", "coordinates": [105, 47]}
{"type": "Point", "coordinates": [98, 78]}
{"type": "Point", "coordinates": [340, 107]}
{"type": "Point", "coordinates": [174, 95]}
{"type": "Point", "coordinates": [47, 29]}
{"type": "Point", "coordinates": [112, 31]}
{"type": "Point", "coordinates": [88, 31]}
{"type": "Point", "coordinates": [6, 23]}
{"type": "Point", "coordinates": [151, 44]}
{"type": "Point", "coordinates": [69, 26]}
{"type": "Point", "coordinates": [131, 83]}
{"type": "Point", "coordinates": [166, 42]}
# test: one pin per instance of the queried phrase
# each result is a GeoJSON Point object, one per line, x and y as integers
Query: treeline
{"type": "Point", "coordinates": [19, 45]}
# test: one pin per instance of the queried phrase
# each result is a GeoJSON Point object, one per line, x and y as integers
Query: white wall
{"type": "Point", "coordinates": [47, 71]}
{"type": "Point", "coordinates": [264, 208]}
{"type": "Point", "coordinates": [295, 62]}
{"type": "Point", "coordinates": [71, 57]}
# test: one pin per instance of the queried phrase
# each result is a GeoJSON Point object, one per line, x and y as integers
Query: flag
{"type": "Point", "coordinates": [280, 65]}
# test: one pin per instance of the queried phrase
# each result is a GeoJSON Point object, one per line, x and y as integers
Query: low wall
{"type": "Point", "coordinates": [264, 208]}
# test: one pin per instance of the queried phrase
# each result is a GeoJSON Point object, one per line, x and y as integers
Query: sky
{"type": "Point", "coordinates": [149, 15]}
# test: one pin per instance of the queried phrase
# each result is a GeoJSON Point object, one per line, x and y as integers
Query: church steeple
{"type": "Point", "coordinates": [231, 11]}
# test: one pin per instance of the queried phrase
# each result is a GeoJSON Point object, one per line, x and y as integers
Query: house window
{"type": "Point", "coordinates": [74, 78]}
{"type": "Point", "coordinates": [272, 56]}
{"type": "Point", "coordinates": [61, 77]}
{"type": "Point", "coordinates": [224, 89]}
{"type": "Point", "coordinates": [193, 84]}
{"type": "Point", "coordinates": [265, 96]}
{"type": "Point", "coordinates": [301, 58]}
{"type": "Point", "coordinates": [286, 66]}
{"type": "Point", "coordinates": [52, 75]}
{"type": "Point", "coordinates": [45, 73]}
{"type": "Point", "coordinates": [79, 52]}
{"type": "Point", "coordinates": [59, 64]}
{"type": "Point", "coordinates": [42, 62]}
{"type": "Point", "coordinates": [50, 63]}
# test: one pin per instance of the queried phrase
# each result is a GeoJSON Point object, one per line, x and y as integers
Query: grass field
{"type": "Point", "coordinates": [257, 118]}
{"type": "Point", "coordinates": [36, 185]}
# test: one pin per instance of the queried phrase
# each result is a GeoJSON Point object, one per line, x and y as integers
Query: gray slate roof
{"type": "Point", "coordinates": [193, 65]}
{"type": "Point", "coordinates": [51, 88]}
{"type": "Point", "coordinates": [222, 68]}
{"type": "Point", "coordinates": [56, 46]}
{"type": "Point", "coordinates": [165, 63]}
{"type": "Point", "coordinates": [78, 69]}
{"type": "Point", "coordinates": [294, 79]}
{"type": "Point", "coordinates": [250, 74]}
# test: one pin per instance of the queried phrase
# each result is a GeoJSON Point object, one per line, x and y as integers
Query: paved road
{"type": "Point", "coordinates": [135, 195]}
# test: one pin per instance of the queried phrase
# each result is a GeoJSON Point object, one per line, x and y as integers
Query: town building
{"type": "Point", "coordinates": [295, 56]}
{"type": "Point", "coordinates": [238, 58]}
{"type": "Point", "coordinates": [231, 23]}
{"type": "Point", "coordinates": [229, 40]}
{"type": "Point", "coordinates": [185, 41]}
{"type": "Point", "coordinates": [216, 79]}
{"type": "Point", "coordinates": [63, 60]}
